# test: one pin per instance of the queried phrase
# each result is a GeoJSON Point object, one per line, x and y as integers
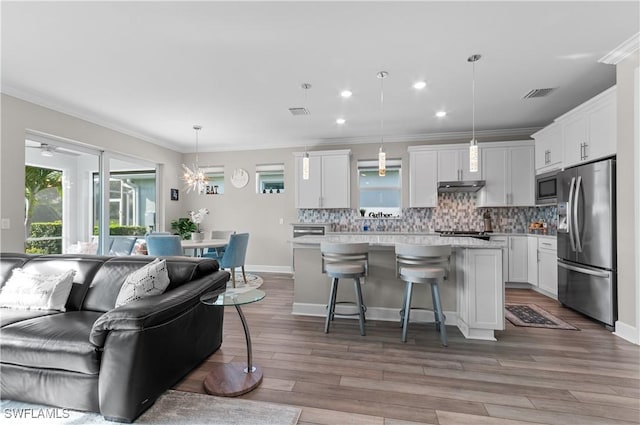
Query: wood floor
{"type": "Point", "coordinates": [528, 376]}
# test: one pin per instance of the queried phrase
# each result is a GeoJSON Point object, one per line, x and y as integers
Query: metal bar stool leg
{"type": "Point", "coordinates": [407, 309]}
{"type": "Point", "coordinates": [437, 307]}
{"type": "Point", "coordinates": [404, 301]}
{"type": "Point", "coordinates": [356, 284]}
{"type": "Point", "coordinates": [332, 304]}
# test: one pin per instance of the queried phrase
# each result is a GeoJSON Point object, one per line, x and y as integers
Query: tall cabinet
{"type": "Point", "coordinates": [329, 183]}
{"type": "Point", "coordinates": [423, 178]}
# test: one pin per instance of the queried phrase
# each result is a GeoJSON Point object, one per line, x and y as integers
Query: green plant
{"type": "Point", "coordinates": [184, 227]}
{"type": "Point", "coordinates": [117, 230]}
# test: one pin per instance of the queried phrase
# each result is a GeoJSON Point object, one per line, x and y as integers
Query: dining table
{"type": "Point", "coordinates": [199, 246]}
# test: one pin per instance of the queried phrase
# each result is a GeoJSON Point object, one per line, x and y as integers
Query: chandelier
{"type": "Point", "coordinates": [194, 177]}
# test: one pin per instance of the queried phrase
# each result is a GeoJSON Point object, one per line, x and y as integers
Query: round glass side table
{"type": "Point", "coordinates": [233, 379]}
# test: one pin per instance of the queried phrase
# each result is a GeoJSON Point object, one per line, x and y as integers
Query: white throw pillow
{"type": "Point", "coordinates": [151, 279]}
{"type": "Point", "coordinates": [29, 290]}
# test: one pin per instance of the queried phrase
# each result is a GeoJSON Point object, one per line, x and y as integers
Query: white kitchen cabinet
{"type": "Point", "coordinates": [453, 165]}
{"type": "Point", "coordinates": [548, 266]}
{"type": "Point", "coordinates": [589, 131]}
{"type": "Point", "coordinates": [518, 259]}
{"type": "Point", "coordinates": [532, 260]}
{"type": "Point", "coordinates": [548, 148]}
{"type": "Point", "coordinates": [508, 171]}
{"type": "Point", "coordinates": [328, 185]}
{"type": "Point", "coordinates": [423, 179]}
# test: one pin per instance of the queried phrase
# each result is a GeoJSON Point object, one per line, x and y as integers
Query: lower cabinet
{"type": "Point", "coordinates": [532, 261]}
{"type": "Point", "coordinates": [518, 259]}
{"type": "Point", "coordinates": [548, 266]}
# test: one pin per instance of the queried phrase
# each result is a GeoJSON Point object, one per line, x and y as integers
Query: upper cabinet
{"type": "Point", "coordinates": [453, 165]}
{"type": "Point", "coordinates": [589, 131]}
{"type": "Point", "coordinates": [423, 178]}
{"type": "Point", "coordinates": [508, 170]}
{"type": "Point", "coordinates": [329, 183]}
{"type": "Point", "coordinates": [548, 148]}
{"type": "Point", "coordinates": [583, 134]}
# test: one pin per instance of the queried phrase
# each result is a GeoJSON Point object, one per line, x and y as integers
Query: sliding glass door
{"type": "Point", "coordinates": [84, 201]}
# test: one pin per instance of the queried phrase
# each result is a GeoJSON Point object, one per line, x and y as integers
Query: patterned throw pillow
{"type": "Point", "coordinates": [28, 290]}
{"type": "Point", "coordinates": [151, 279]}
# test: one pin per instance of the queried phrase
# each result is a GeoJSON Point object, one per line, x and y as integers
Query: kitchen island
{"type": "Point", "coordinates": [472, 295]}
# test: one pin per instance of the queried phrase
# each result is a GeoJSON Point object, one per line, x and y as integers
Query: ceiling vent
{"type": "Point", "coordinates": [538, 93]}
{"type": "Point", "coordinates": [299, 111]}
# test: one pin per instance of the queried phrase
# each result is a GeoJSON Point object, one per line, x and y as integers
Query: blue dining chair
{"type": "Point", "coordinates": [164, 245]}
{"type": "Point", "coordinates": [217, 253]}
{"type": "Point", "coordinates": [235, 254]}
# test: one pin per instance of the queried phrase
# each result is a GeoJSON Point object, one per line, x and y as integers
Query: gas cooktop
{"type": "Point", "coordinates": [465, 233]}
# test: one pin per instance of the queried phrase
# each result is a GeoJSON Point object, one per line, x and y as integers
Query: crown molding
{"type": "Point", "coordinates": [626, 48]}
{"type": "Point", "coordinates": [64, 109]}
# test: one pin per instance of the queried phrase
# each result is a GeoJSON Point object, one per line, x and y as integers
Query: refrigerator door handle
{"type": "Point", "coordinates": [570, 213]}
{"type": "Point", "coordinates": [595, 273]}
{"type": "Point", "coordinates": [575, 215]}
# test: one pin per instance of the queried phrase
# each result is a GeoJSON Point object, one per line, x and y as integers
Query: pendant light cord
{"type": "Point", "coordinates": [382, 75]}
{"type": "Point", "coordinates": [473, 101]}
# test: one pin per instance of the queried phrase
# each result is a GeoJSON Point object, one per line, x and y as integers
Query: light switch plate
{"type": "Point", "coordinates": [6, 223]}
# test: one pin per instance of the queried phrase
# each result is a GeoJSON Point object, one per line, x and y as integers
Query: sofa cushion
{"type": "Point", "coordinates": [151, 279]}
{"type": "Point", "coordinates": [28, 290]}
{"type": "Point", "coordinates": [107, 283]}
{"type": "Point", "coordinates": [9, 315]}
{"type": "Point", "coordinates": [85, 266]}
{"type": "Point", "coordinates": [57, 341]}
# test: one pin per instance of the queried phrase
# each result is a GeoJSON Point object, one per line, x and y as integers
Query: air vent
{"type": "Point", "coordinates": [538, 93]}
{"type": "Point", "coordinates": [299, 111]}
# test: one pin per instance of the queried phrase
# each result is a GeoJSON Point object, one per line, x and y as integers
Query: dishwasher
{"type": "Point", "coordinates": [308, 229]}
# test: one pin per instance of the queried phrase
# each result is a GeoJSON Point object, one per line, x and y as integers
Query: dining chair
{"type": "Point", "coordinates": [217, 253]}
{"type": "Point", "coordinates": [121, 245]}
{"type": "Point", "coordinates": [349, 261]}
{"type": "Point", "coordinates": [234, 255]}
{"type": "Point", "coordinates": [423, 264]}
{"type": "Point", "coordinates": [164, 245]}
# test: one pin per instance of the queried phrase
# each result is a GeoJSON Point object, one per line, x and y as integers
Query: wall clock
{"type": "Point", "coordinates": [239, 178]}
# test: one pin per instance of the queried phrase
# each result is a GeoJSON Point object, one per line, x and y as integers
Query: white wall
{"type": "Point", "coordinates": [18, 116]}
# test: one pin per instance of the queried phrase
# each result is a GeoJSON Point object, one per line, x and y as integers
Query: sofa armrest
{"type": "Point", "coordinates": [155, 310]}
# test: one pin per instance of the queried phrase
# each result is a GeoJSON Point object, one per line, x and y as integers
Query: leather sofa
{"type": "Point", "coordinates": [94, 357]}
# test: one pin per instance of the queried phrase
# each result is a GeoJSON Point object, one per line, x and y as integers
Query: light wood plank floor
{"type": "Point", "coordinates": [528, 376]}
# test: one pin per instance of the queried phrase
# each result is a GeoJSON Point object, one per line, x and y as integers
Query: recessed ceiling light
{"type": "Point", "coordinates": [441, 114]}
{"type": "Point", "coordinates": [420, 85]}
{"type": "Point", "coordinates": [341, 121]}
{"type": "Point", "coordinates": [346, 93]}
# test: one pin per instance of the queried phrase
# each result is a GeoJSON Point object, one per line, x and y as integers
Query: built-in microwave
{"type": "Point", "coordinates": [547, 188]}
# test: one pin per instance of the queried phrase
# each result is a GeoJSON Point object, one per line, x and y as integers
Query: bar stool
{"type": "Point", "coordinates": [346, 261]}
{"type": "Point", "coordinates": [423, 264]}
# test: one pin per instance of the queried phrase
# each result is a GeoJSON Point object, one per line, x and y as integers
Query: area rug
{"type": "Point", "coordinates": [172, 408]}
{"type": "Point", "coordinates": [531, 315]}
{"type": "Point", "coordinates": [253, 281]}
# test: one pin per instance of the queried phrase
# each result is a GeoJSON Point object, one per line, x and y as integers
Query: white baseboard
{"type": "Point", "coordinates": [373, 313]}
{"type": "Point", "coordinates": [257, 268]}
{"type": "Point", "coordinates": [627, 332]}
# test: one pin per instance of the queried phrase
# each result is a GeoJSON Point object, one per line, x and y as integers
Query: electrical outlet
{"type": "Point", "coordinates": [281, 220]}
{"type": "Point", "coordinates": [6, 223]}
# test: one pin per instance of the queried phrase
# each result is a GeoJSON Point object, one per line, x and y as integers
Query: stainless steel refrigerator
{"type": "Point", "coordinates": [587, 240]}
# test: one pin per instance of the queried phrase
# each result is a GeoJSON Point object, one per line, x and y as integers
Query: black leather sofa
{"type": "Point", "coordinates": [94, 357]}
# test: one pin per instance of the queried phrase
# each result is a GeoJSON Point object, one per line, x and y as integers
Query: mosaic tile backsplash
{"type": "Point", "coordinates": [455, 211]}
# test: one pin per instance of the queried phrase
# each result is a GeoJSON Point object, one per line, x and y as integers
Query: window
{"type": "Point", "coordinates": [380, 196]}
{"type": "Point", "coordinates": [215, 177]}
{"type": "Point", "coordinates": [270, 178]}
{"type": "Point", "coordinates": [43, 205]}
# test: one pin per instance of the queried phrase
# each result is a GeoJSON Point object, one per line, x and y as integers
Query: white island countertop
{"type": "Point", "coordinates": [388, 240]}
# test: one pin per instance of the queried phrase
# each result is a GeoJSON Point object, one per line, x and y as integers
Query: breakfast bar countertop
{"type": "Point", "coordinates": [388, 240]}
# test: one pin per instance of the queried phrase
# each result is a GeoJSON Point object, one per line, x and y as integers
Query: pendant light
{"type": "Point", "coordinates": [305, 159]}
{"type": "Point", "coordinates": [473, 144]}
{"type": "Point", "coordinates": [382, 157]}
{"type": "Point", "coordinates": [194, 178]}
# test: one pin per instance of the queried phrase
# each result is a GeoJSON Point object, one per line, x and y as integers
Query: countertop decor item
{"type": "Point", "coordinates": [197, 218]}
{"type": "Point", "coordinates": [184, 227]}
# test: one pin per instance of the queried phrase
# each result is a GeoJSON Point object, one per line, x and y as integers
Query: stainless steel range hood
{"type": "Point", "coordinates": [461, 186]}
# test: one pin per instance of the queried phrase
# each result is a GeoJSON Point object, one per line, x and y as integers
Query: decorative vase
{"type": "Point", "coordinates": [197, 236]}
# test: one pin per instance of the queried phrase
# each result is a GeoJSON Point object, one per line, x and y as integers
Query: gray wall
{"type": "Point", "coordinates": [627, 192]}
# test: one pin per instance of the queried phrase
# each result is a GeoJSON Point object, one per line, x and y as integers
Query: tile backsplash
{"type": "Point", "coordinates": [455, 211]}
